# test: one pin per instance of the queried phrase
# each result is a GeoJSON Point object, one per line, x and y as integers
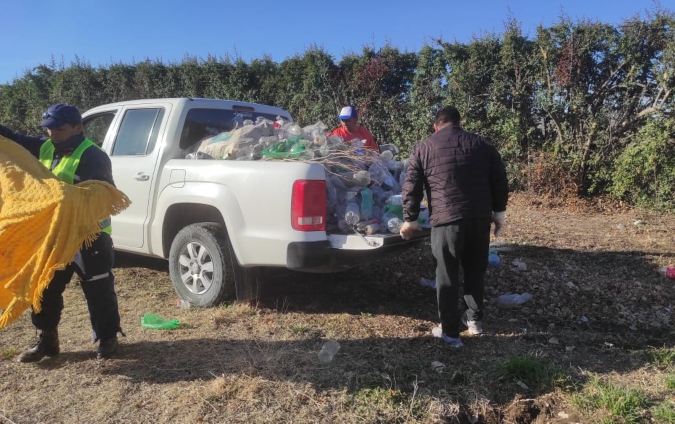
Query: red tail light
{"type": "Point", "coordinates": [308, 205]}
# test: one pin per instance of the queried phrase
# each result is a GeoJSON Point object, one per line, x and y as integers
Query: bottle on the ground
{"type": "Point", "coordinates": [668, 272]}
{"type": "Point", "coordinates": [328, 351]}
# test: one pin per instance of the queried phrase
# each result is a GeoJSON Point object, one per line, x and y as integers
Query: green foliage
{"type": "Point", "coordinates": [644, 172]}
{"type": "Point", "coordinates": [583, 107]}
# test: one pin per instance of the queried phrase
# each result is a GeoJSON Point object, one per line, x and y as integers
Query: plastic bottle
{"type": "Point", "coordinates": [361, 178]}
{"type": "Point", "coordinates": [155, 322]}
{"type": "Point", "coordinates": [401, 178]}
{"type": "Point", "coordinates": [352, 214]}
{"type": "Point", "coordinates": [320, 139]}
{"type": "Point", "coordinates": [668, 272]}
{"type": "Point", "coordinates": [394, 205]}
{"type": "Point", "coordinates": [366, 204]}
{"type": "Point", "coordinates": [394, 225]}
{"type": "Point", "coordinates": [358, 143]}
{"type": "Point", "coordinates": [245, 153]}
{"type": "Point", "coordinates": [512, 300]}
{"type": "Point", "coordinates": [373, 228]}
{"type": "Point", "coordinates": [295, 130]}
{"type": "Point", "coordinates": [328, 351]}
{"type": "Point", "coordinates": [395, 199]}
{"type": "Point", "coordinates": [361, 226]}
{"type": "Point", "coordinates": [183, 304]}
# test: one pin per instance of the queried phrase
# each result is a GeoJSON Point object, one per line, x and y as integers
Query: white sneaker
{"type": "Point", "coordinates": [475, 327]}
{"type": "Point", "coordinates": [451, 341]}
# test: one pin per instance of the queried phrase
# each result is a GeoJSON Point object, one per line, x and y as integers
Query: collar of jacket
{"type": "Point", "coordinates": [69, 145]}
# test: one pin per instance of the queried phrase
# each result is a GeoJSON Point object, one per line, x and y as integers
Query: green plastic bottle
{"type": "Point", "coordinates": [155, 322]}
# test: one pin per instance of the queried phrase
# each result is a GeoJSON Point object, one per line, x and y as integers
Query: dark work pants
{"type": "Point", "coordinates": [464, 242]}
{"type": "Point", "coordinates": [98, 284]}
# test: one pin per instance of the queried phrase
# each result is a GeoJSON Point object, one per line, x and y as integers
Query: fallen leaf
{"type": "Point", "coordinates": [553, 340]}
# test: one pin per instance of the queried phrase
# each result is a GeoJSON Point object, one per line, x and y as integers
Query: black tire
{"type": "Point", "coordinates": [202, 265]}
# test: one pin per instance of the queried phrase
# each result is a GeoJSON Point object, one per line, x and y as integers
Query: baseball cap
{"type": "Point", "coordinates": [60, 114]}
{"type": "Point", "coordinates": [348, 112]}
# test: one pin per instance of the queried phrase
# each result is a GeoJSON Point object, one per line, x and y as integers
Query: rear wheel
{"type": "Point", "coordinates": [202, 265]}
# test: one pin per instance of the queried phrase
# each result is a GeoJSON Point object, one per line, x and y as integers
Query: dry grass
{"type": "Point", "coordinates": [600, 313]}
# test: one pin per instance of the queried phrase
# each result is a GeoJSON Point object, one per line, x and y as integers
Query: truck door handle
{"type": "Point", "coordinates": [142, 177]}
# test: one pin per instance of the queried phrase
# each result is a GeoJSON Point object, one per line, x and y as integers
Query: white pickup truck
{"type": "Point", "coordinates": [219, 221]}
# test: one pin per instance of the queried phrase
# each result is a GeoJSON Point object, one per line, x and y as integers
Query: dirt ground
{"type": "Point", "coordinates": [598, 307]}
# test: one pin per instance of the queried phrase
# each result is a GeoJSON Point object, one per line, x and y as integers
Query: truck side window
{"type": "Point", "coordinates": [138, 132]}
{"type": "Point", "coordinates": [96, 127]}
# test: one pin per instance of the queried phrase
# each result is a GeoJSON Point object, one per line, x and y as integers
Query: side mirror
{"type": "Point", "coordinates": [390, 147]}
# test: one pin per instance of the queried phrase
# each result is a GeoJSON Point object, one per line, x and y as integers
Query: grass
{"type": "Point", "coordinates": [532, 372]}
{"type": "Point", "coordinates": [670, 381]}
{"type": "Point", "coordinates": [8, 353]}
{"type": "Point", "coordinates": [625, 404]}
{"type": "Point", "coordinates": [662, 357]}
{"type": "Point", "coordinates": [299, 329]}
{"type": "Point", "coordinates": [664, 412]}
{"type": "Point", "coordinates": [257, 362]}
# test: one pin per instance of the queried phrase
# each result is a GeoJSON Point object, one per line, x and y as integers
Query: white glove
{"type": "Point", "coordinates": [498, 219]}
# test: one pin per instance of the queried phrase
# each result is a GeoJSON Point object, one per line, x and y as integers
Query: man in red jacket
{"type": "Point", "coordinates": [466, 186]}
{"type": "Point", "coordinates": [351, 130]}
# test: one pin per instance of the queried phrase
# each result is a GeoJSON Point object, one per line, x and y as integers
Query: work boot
{"type": "Point", "coordinates": [107, 347]}
{"type": "Point", "coordinates": [47, 345]}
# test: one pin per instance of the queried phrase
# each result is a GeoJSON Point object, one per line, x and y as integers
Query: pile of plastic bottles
{"type": "Point", "coordinates": [363, 186]}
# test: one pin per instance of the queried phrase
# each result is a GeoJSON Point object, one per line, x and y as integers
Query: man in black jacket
{"type": "Point", "coordinates": [73, 159]}
{"type": "Point", "coordinates": [466, 186]}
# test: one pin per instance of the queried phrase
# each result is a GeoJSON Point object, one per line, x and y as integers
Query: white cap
{"type": "Point", "coordinates": [348, 112]}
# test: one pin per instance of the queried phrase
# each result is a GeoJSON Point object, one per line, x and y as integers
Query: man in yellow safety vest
{"type": "Point", "coordinates": [73, 158]}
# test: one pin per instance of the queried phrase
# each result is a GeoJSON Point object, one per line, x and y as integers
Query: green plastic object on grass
{"type": "Point", "coordinates": [155, 322]}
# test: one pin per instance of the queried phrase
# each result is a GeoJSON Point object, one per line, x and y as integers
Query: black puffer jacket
{"type": "Point", "coordinates": [462, 174]}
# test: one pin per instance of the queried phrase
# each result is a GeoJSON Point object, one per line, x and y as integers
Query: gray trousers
{"type": "Point", "coordinates": [465, 243]}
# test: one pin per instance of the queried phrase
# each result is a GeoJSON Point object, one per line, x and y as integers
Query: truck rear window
{"type": "Point", "coordinates": [202, 123]}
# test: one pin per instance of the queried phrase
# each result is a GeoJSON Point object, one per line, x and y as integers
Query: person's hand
{"type": "Point", "coordinates": [498, 219]}
{"type": "Point", "coordinates": [408, 229]}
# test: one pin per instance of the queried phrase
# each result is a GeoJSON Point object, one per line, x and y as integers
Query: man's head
{"type": "Point", "coordinates": [448, 115]}
{"type": "Point", "coordinates": [349, 118]}
{"type": "Point", "coordinates": [62, 122]}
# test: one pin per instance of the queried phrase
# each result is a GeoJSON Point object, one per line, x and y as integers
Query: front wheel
{"type": "Point", "coordinates": [202, 265]}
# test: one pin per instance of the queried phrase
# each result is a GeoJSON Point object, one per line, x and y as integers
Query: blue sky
{"type": "Point", "coordinates": [104, 32]}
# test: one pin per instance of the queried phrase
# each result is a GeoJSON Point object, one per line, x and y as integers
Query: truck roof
{"type": "Point", "coordinates": [199, 102]}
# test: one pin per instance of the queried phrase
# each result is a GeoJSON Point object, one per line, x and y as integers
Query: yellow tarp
{"type": "Point", "coordinates": [43, 223]}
